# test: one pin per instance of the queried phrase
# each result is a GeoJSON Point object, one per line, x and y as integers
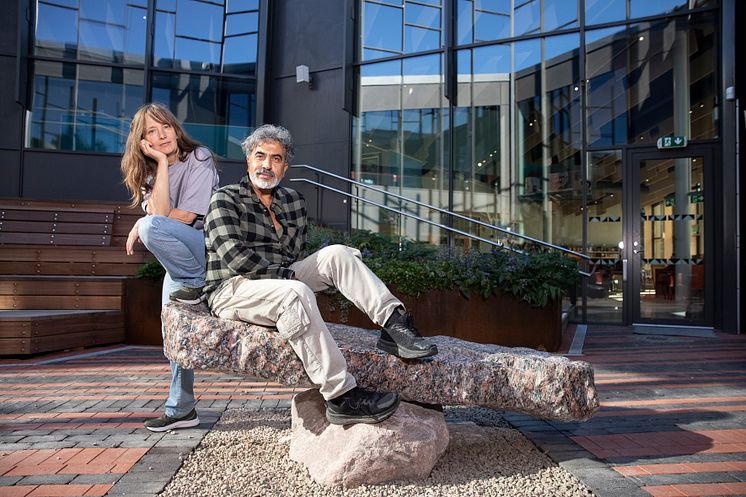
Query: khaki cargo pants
{"type": "Point", "coordinates": [290, 305]}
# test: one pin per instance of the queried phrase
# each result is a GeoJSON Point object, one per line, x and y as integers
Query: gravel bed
{"type": "Point", "coordinates": [246, 455]}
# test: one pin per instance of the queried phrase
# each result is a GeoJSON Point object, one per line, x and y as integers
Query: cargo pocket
{"type": "Point", "coordinates": [293, 320]}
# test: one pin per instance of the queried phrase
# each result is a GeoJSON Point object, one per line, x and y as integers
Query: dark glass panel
{"type": "Point", "coordinates": [560, 14]}
{"type": "Point", "coordinates": [168, 5]}
{"type": "Point", "coordinates": [527, 18]}
{"type": "Point", "coordinates": [491, 26]}
{"type": "Point", "coordinates": [56, 31]}
{"type": "Point", "coordinates": [419, 39]}
{"type": "Point", "coordinates": [464, 22]}
{"type": "Point", "coordinates": [197, 54]}
{"type": "Point", "coordinates": [216, 111]}
{"type": "Point", "coordinates": [600, 11]}
{"type": "Point", "coordinates": [501, 6]}
{"type": "Point", "coordinates": [163, 43]}
{"type": "Point", "coordinates": [644, 8]}
{"type": "Point", "coordinates": [237, 24]}
{"type": "Point", "coordinates": [382, 27]}
{"type": "Point", "coordinates": [421, 15]}
{"type": "Point", "coordinates": [109, 11]}
{"type": "Point", "coordinates": [97, 121]}
{"type": "Point", "coordinates": [239, 54]}
{"type": "Point", "coordinates": [199, 20]}
{"type": "Point", "coordinates": [605, 220]}
{"type": "Point", "coordinates": [241, 5]}
{"type": "Point", "coordinates": [134, 37]}
{"type": "Point", "coordinates": [62, 3]}
{"type": "Point", "coordinates": [99, 41]}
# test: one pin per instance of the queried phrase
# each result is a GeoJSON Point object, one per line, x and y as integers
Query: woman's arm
{"type": "Point", "coordinates": [159, 203]}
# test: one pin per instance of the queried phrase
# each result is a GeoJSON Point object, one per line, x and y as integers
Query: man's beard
{"type": "Point", "coordinates": [262, 184]}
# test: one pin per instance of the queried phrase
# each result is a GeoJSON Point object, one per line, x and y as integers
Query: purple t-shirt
{"type": "Point", "coordinates": [191, 183]}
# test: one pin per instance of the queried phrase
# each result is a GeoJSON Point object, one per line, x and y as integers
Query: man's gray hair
{"type": "Point", "coordinates": [270, 132]}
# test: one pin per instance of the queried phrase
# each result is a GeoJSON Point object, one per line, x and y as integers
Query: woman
{"type": "Point", "coordinates": [172, 177]}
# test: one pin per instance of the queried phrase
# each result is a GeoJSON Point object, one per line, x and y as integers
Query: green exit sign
{"type": "Point", "coordinates": [672, 142]}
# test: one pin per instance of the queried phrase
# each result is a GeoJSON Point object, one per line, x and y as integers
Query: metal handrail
{"type": "Point", "coordinates": [444, 211]}
{"type": "Point", "coordinates": [418, 218]}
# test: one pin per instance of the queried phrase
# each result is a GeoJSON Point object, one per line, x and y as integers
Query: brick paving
{"type": "Point", "coordinates": [672, 420]}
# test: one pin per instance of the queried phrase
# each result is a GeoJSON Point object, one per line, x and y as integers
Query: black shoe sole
{"type": "Point", "coordinates": [399, 351]}
{"type": "Point", "coordinates": [192, 301]}
{"type": "Point", "coordinates": [184, 423]}
{"type": "Point", "coordinates": [348, 419]}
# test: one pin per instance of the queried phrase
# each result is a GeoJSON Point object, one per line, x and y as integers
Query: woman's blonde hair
{"type": "Point", "coordinates": [136, 166]}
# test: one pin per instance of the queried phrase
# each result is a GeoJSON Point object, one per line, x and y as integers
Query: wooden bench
{"type": "Point", "coordinates": [63, 268]}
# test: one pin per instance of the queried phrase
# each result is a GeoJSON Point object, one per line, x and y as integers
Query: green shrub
{"type": "Point", "coordinates": [414, 268]}
{"type": "Point", "coordinates": [151, 270]}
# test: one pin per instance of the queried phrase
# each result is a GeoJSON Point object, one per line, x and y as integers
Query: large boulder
{"type": "Point", "coordinates": [463, 373]}
{"type": "Point", "coordinates": [405, 446]}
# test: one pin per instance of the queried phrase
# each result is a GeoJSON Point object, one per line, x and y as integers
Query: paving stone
{"type": "Point", "coordinates": [104, 479]}
{"type": "Point", "coordinates": [6, 481]}
{"type": "Point", "coordinates": [46, 480]}
{"type": "Point", "coordinates": [130, 488]}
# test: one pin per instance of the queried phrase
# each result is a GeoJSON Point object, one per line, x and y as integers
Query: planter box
{"type": "Point", "coordinates": [499, 320]}
{"type": "Point", "coordinates": [142, 311]}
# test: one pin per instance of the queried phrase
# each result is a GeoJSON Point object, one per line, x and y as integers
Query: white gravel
{"type": "Point", "coordinates": [246, 455]}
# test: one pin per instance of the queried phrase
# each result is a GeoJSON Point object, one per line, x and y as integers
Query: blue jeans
{"type": "Point", "coordinates": [181, 251]}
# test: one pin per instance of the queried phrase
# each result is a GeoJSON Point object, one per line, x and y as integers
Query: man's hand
{"type": "Point", "coordinates": [132, 238]}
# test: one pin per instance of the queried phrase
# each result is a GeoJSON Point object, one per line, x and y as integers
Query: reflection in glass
{"type": "Point", "coordinates": [216, 111]}
{"type": "Point", "coordinates": [491, 26]}
{"type": "Point", "coordinates": [79, 107]}
{"type": "Point", "coordinates": [560, 14]}
{"type": "Point", "coordinates": [605, 288]}
{"type": "Point", "coordinates": [527, 17]}
{"type": "Point", "coordinates": [382, 27]}
{"type": "Point", "coordinates": [672, 202]}
{"type": "Point", "coordinates": [398, 143]}
{"type": "Point", "coordinates": [652, 80]}
{"type": "Point", "coordinates": [107, 31]}
{"type": "Point", "coordinates": [600, 11]}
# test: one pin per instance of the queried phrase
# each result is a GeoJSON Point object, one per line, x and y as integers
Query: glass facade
{"type": "Point", "coordinates": [541, 115]}
{"type": "Point", "coordinates": [92, 70]}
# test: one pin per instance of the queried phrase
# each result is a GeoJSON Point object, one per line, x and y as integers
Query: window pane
{"type": "Point", "coordinates": [418, 39]}
{"type": "Point", "coordinates": [199, 20]}
{"type": "Point", "coordinates": [491, 26]}
{"type": "Point", "coordinates": [56, 31]}
{"type": "Point", "coordinates": [99, 41]}
{"type": "Point", "coordinates": [560, 14]}
{"type": "Point", "coordinates": [240, 54]}
{"type": "Point", "coordinates": [642, 8]}
{"type": "Point", "coordinates": [604, 221]}
{"type": "Point", "coordinates": [215, 111]}
{"type": "Point", "coordinates": [527, 18]}
{"type": "Point", "coordinates": [163, 43]}
{"type": "Point", "coordinates": [464, 22]}
{"type": "Point", "coordinates": [241, 23]}
{"type": "Point", "coordinates": [382, 27]}
{"type": "Point", "coordinates": [241, 5]}
{"type": "Point", "coordinates": [493, 59]}
{"type": "Point", "coordinates": [197, 54]}
{"type": "Point", "coordinates": [109, 11]}
{"type": "Point", "coordinates": [169, 5]}
{"type": "Point", "coordinates": [134, 36]}
{"type": "Point", "coordinates": [97, 121]}
{"type": "Point", "coordinates": [600, 11]}
{"type": "Point", "coordinates": [501, 6]}
{"type": "Point", "coordinates": [420, 15]}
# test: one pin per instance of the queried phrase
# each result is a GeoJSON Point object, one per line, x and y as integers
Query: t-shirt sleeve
{"type": "Point", "coordinates": [202, 180]}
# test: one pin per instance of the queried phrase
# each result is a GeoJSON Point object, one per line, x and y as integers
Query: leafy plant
{"type": "Point", "coordinates": [414, 268]}
{"type": "Point", "coordinates": [151, 270]}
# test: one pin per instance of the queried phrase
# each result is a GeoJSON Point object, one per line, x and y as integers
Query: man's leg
{"type": "Point", "coordinates": [179, 409]}
{"type": "Point", "coordinates": [291, 307]}
{"type": "Point", "coordinates": [342, 267]}
{"type": "Point", "coordinates": [181, 251]}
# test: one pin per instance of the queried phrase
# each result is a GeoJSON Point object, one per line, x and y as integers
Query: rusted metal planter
{"type": "Point", "coordinates": [500, 319]}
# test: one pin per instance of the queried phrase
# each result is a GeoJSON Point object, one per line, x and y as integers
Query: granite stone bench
{"type": "Point", "coordinates": [463, 373]}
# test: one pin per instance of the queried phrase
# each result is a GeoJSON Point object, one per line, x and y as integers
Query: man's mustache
{"type": "Point", "coordinates": [268, 172]}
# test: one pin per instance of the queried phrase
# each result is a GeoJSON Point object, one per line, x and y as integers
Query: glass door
{"type": "Point", "coordinates": [665, 244]}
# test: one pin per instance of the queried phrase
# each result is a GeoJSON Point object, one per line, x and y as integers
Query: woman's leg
{"type": "Point", "coordinates": [178, 247]}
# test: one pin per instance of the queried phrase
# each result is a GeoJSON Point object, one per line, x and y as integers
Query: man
{"type": "Point", "coordinates": [255, 235]}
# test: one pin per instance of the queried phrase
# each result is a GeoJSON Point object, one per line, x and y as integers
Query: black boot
{"type": "Point", "coordinates": [400, 338]}
{"type": "Point", "coordinates": [361, 406]}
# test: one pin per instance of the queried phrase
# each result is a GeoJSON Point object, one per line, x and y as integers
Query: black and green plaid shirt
{"type": "Point", "coordinates": [241, 239]}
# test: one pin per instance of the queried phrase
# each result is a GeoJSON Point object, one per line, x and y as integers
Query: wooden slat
{"type": "Point", "coordinates": [57, 215]}
{"type": "Point", "coordinates": [28, 253]}
{"type": "Point", "coordinates": [68, 269]}
{"type": "Point", "coordinates": [23, 346]}
{"type": "Point", "coordinates": [56, 324]}
{"type": "Point", "coordinates": [59, 302]}
{"type": "Point", "coordinates": [55, 227]}
{"type": "Point", "coordinates": [46, 287]}
{"type": "Point", "coordinates": [54, 239]}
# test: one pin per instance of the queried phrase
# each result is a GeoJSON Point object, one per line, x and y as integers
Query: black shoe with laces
{"type": "Point", "coordinates": [400, 338]}
{"type": "Point", "coordinates": [165, 423]}
{"type": "Point", "coordinates": [361, 406]}
{"type": "Point", "coordinates": [188, 295]}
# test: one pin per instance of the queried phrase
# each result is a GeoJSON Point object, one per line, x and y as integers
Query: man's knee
{"type": "Point", "coordinates": [338, 252]}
